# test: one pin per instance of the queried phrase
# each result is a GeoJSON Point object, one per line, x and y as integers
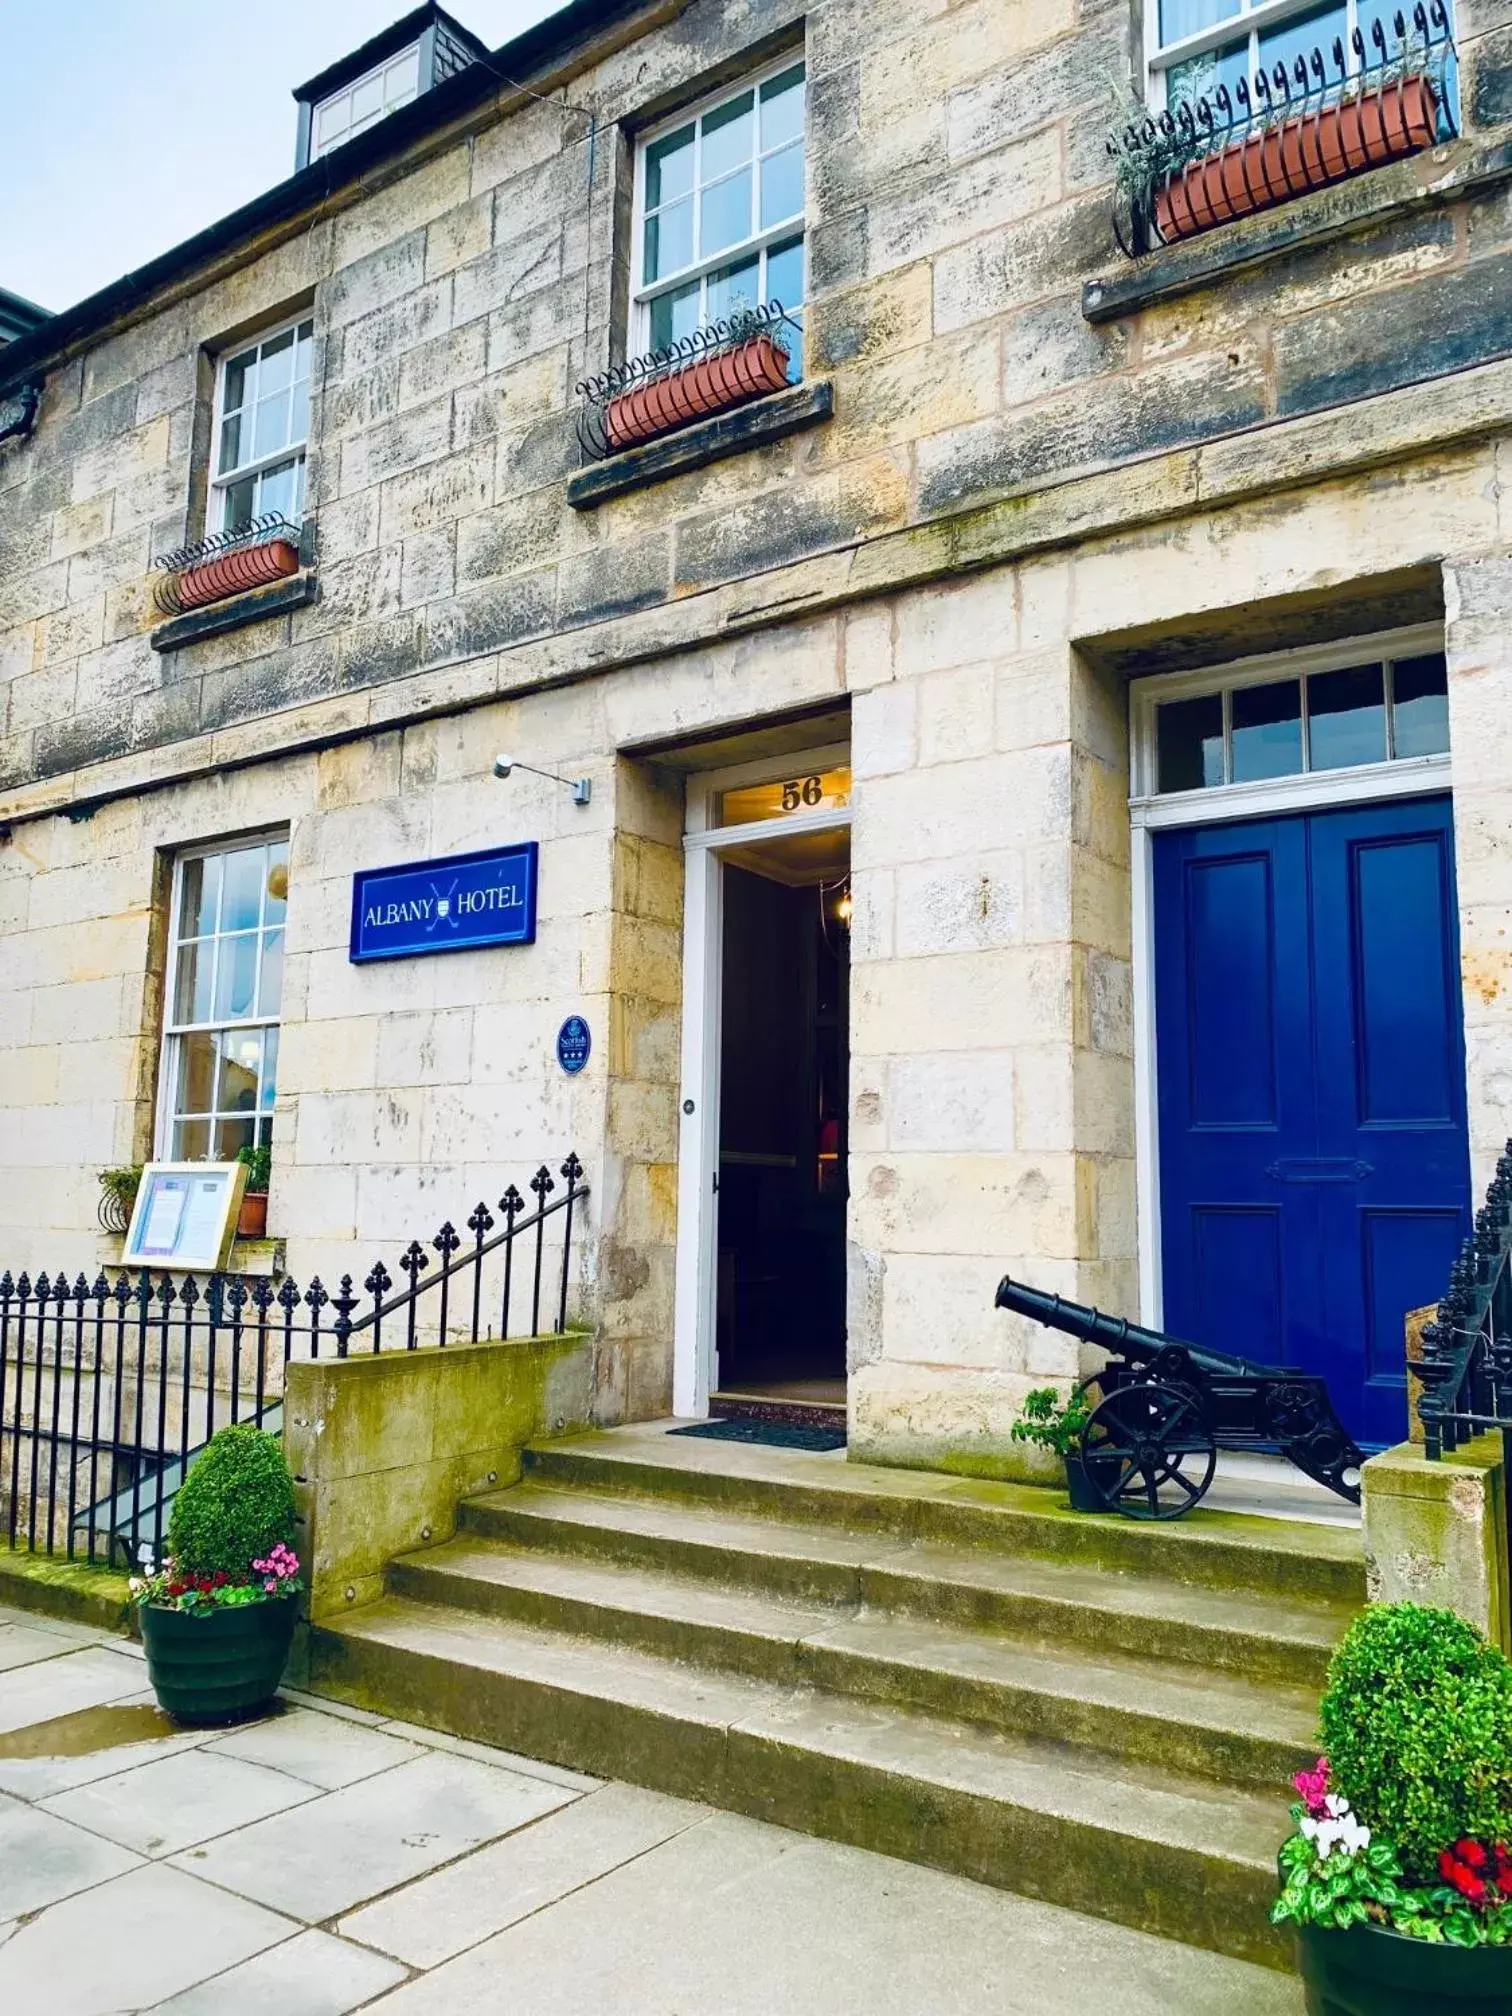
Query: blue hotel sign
{"type": "Point", "coordinates": [453, 905]}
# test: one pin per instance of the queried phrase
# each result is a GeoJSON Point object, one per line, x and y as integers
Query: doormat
{"type": "Point", "coordinates": [770, 1434]}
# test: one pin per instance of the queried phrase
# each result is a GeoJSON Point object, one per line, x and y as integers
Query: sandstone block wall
{"type": "Point", "coordinates": [958, 201]}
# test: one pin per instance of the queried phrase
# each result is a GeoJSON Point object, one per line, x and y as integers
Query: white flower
{"type": "Point", "coordinates": [1340, 1830]}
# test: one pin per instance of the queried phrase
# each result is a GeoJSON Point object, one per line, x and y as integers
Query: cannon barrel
{"type": "Point", "coordinates": [1113, 1333]}
{"type": "Point", "coordinates": [1253, 1406]}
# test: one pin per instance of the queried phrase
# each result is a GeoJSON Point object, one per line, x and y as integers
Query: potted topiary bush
{"type": "Point", "coordinates": [252, 1218]}
{"type": "Point", "coordinates": [1398, 1876]}
{"type": "Point", "coordinates": [218, 1615]}
{"type": "Point", "coordinates": [1052, 1422]}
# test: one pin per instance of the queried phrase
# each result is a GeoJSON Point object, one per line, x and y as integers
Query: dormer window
{"type": "Point", "coordinates": [412, 56]}
{"type": "Point", "coordinates": [347, 113]}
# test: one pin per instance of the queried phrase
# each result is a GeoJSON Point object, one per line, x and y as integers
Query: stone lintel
{"type": "Point", "coordinates": [1171, 273]}
{"type": "Point", "coordinates": [235, 612]}
{"type": "Point", "coordinates": [766, 420]}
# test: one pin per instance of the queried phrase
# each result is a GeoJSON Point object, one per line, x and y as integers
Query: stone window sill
{"type": "Point", "coordinates": [1291, 227]}
{"type": "Point", "coordinates": [704, 442]}
{"type": "Point", "coordinates": [248, 1256]}
{"type": "Point", "coordinates": [235, 612]}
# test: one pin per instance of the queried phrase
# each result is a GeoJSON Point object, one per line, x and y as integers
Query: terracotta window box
{"type": "Point", "coordinates": [227, 564]}
{"type": "Point", "coordinates": [1349, 105]}
{"type": "Point", "coordinates": [1297, 156]}
{"type": "Point", "coordinates": [711, 372]}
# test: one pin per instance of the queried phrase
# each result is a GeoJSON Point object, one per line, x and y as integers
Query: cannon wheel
{"type": "Point", "coordinates": [1143, 1439]}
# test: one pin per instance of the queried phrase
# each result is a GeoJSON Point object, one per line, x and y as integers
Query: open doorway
{"type": "Point", "coordinates": [765, 1086]}
{"type": "Point", "coordinates": [784, 1068]}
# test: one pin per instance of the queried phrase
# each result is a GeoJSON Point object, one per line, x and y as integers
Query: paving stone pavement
{"type": "Point", "coordinates": [325, 1860]}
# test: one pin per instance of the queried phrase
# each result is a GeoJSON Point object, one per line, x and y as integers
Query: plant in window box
{"type": "Point", "coordinates": [1217, 154]}
{"type": "Point", "coordinates": [252, 1219]}
{"type": "Point", "coordinates": [1050, 1421]}
{"type": "Point", "coordinates": [254, 555]}
{"type": "Point", "coordinates": [218, 1614]}
{"type": "Point", "coordinates": [118, 1193]}
{"type": "Point", "coordinates": [1398, 1874]}
{"type": "Point", "coordinates": [744, 357]}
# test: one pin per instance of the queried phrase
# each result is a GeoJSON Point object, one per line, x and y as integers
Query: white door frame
{"type": "Point", "coordinates": [1412, 777]}
{"type": "Point", "coordinates": [706, 845]}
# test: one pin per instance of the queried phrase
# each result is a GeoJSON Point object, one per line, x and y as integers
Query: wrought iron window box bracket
{"type": "Point", "coordinates": [1301, 226]}
{"type": "Point", "coordinates": [1336, 113]}
{"type": "Point", "coordinates": [255, 606]}
{"type": "Point", "coordinates": [702, 442]}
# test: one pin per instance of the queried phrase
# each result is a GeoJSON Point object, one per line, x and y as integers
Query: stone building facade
{"type": "Point", "coordinates": [1024, 479]}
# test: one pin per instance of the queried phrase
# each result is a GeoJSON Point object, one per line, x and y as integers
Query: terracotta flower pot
{"type": "Point", "coordinates": [233, 573]}
{"type": "Point", "coordinates": [1297, 156]}
{"type": "Point", "coordinates": [708, 385]}
{"type": "Point", "coordinates": [252, 1218]}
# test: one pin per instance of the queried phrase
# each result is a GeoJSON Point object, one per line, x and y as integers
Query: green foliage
{"type": "Point", "coordinates": [234, 1507]}
{"type": "Point", "coordinates": [1052, 1423]}
{"type": "Point", "coordinates": [259, 1163]}
{"type": "Point", "coordinates": [1341, 1890]}
{"type": "Point", "coordinates": [1338, 1891]}
{"type": "Point", "coordinates": [1149, 154]}
{"type": "Point", "coordinates": [122, 1184]}
{"type": "Point", "coordinates": [1417, 1724]}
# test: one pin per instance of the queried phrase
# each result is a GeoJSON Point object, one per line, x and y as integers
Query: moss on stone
{"type": "Point", "coordinates": [72, 1590]}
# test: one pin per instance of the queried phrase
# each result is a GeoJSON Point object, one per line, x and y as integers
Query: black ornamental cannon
{"type": "Point", "coordinates": [1164, 1408]}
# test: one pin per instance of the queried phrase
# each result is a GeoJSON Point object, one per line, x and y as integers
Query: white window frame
{"type": "Point", "coordinates": [760, 243]}
{"type": "Point", "coordinates": [349, 92]}
{"type": "Point", "coordinates": [1253, 18]}
{"type": "Point", "coordinates": [174, 1033]}
{"type": "Point", "coordinates": [705, 846]}
{"type": "Point", "coordinates": [221, 485]}
{"type": "Point", "coordinates": [1364, 783]}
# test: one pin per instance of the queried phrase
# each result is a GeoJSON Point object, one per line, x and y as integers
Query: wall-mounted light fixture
{"type": "Point", "coordinates": [580, 787]}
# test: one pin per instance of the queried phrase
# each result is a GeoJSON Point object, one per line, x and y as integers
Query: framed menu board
{"type": "Point", "coordinates": [185, 1216]}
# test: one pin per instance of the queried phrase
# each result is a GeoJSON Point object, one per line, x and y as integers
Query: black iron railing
{"type": "Point", "coordinates": [1283, 110]}
{"type": "Point", "coordinates": [109, 1388]}
{"type": "Point", "coordinates": [720, 340]}
{"type": "Point", "coordinates": [1466, 1364]}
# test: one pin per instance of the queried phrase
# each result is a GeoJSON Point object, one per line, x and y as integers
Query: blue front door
{"type": "Point", "coordinates": [1314, 1169]}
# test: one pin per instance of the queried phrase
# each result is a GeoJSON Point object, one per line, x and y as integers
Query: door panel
{"type": "Point", "coordinates": [1230, 1246]}
{"type": "Point", "coordinates": [1311, 1082]}
{"type": "Point", "coordinates": [1230, 986]}
{"type": "Point", "coordinates": [1235, 1081]}
{"type": "Point", "coordinates": [1391, 1084]}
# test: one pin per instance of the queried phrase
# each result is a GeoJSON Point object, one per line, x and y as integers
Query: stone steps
{"type": "Point", "coordinates": [1225, 1550]}
{"type": "Point", "coordinates": [1040, 1598]}
{"type": "Point", "coordinates": [1177, 1856]}
{"type": "Point", "coordinates": [1222, 1728]}
{"type": "Point", "coordinates": [957, 1672]}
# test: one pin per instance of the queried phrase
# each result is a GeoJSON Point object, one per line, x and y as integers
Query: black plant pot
{"type": "Point", "coordinates": [220, 1665]}
{"type": "Point", "coordinates": [1370, 1972]}
{"type": "Point", "coordinates": [1083, 1497]}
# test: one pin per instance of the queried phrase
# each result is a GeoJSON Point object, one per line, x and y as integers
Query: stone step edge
{"type": "Point", "coordinates": [1235, 1751]}
{"type": "Point", "coordinates": [516, 1516]}
{"type": "Point", "coordinates": [1158, 1550]}
{"type": "Point", "coordinates": [1202, 1896]}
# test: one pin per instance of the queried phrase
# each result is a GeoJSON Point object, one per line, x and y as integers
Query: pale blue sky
{"type": "Point", "coordinates": [128, 125]}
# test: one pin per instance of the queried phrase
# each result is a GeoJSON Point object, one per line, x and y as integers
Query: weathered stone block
{"type": "Point", "coordinates": [383, 1447]}
{"type": "Point", "coordinates": [1436, 1533]}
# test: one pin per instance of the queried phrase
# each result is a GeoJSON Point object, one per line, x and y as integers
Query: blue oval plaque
{"type": "Point", "coordinates": [574, 1042]}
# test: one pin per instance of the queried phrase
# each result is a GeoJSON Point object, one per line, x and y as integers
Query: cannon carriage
{"type": "Point", "coordinates": [1162, 1408]}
